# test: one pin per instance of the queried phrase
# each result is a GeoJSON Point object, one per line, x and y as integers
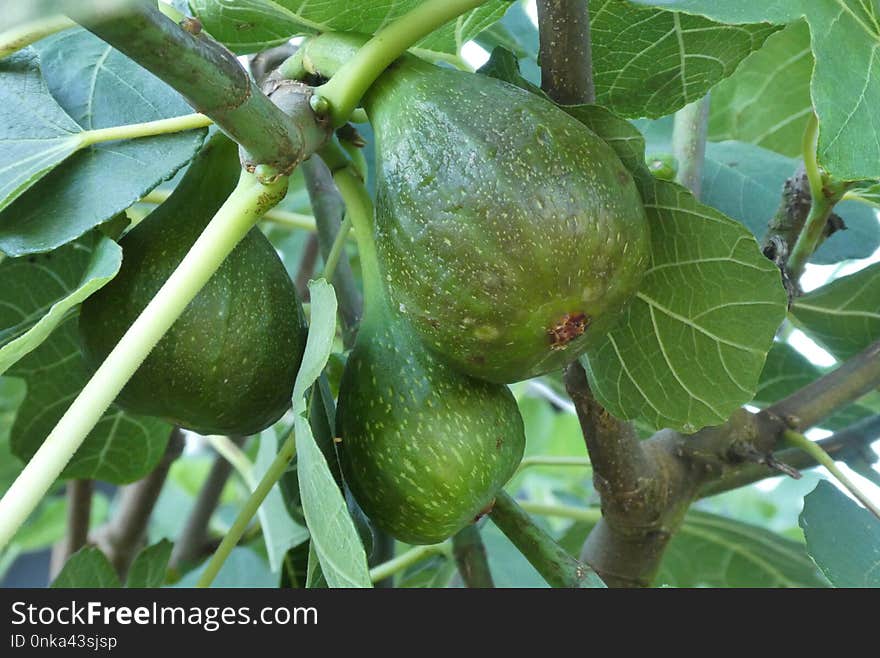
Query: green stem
{"type": "Point", "coordinates": [798, 440]}
{"type": "Point", "coordinates": [344, 90]}
{"type": "Point", "coordinates": [407, 559]}
{"type": "Point", "coordinates": [24, 35]}
{"type": "Point", "coordinates": [359, 209]}
{"type": "Point", "coordinates": [210, 78]}
{"type": "Point", "coordinates": [552, 561]}
{"type": "Point", "coordinates": [820, 208]}
{"type": "Point", "coordinates": [231, 452]}
{"type": "Point", "coordinates": [236, 217]}
{"type": "Point", "coordinates": [248, 511]}
{"type": "Point", "coordinates": [581, 514]}
{"type": "Point", "coordinates": [146, 129]}
{"type": "Point", "coordinates": [285, 218]}
{"type": "Point", "coordinates": [529, 462]}
{"type": "Point", "coordinates": [337, 249]}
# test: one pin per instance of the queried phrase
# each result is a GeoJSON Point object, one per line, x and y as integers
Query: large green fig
{"type": "Point", "coordinates": [424, 447]}
{"type": "Point", "coordinates": [228, 364]}
{"type": "Point", "coordinates": [511, 234]}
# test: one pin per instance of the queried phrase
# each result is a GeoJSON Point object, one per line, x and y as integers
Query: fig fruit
{"type": "Point", "coordinates": [228, 364]}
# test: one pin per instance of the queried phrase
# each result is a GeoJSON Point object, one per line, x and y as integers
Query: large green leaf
{"type": "Point", "coordinates": [649, 62]}
{"type": "Point", "coordinates": [691, 345]}
{"type": "Point", "coordinates": [251, 25]}
{"type": "Point", "coordinates": [717, 551]}
{"type": "Point", "coordinates": [844, 316]}
{"type": "Point", "coordinates": [709, 550]}
{"type": "Point", "coordinates": [39, 291]}
{"type": "Point", "coordinates": [150, 566]}
{"type": "Point", "coordinates": [741, 11]}
{"type": "Point", "coordinates": [35, 132]}
{"type": "Point", "coordinates": [843, 538]}
{"type": "Point", "coordinates": [121, 448]}
{"type": "Point", "coordinates": [845, 87]}
{"type": "Point", "coordinates": [334, 538]}
{"type": "Point", "coordinates": [88, 567]}
{"type": "Point", "coordinates": [767, 101]}
{"type": "Point", "coordinates": [99, 88]}
{"type": "Point", "coordinates": [12, 392]}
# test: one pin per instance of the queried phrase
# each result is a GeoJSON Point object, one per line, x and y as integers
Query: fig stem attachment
{"type": "Point", "coordinates": [236, 217]}
{"type": "Point", "coordinates": [817, 452]}
{"type": "Point", "coordinates": [552, 561]}
{"type": "Point", "coordinates": [344, 90]}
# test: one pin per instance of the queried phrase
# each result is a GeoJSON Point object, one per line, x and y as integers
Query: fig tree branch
{"type": "Point", "coordinates": [848, 382]}
{"type": "Point", "coordinates": [851, 442]}
{"type": "Point", "coordinates": [628, 478]}
{"type": "Point", "coordinates": [470, 556]}
{"type": "Point", "coordinates": [123, 536]}
{"type": "Point", "coordinates": [191, 541]}
{"type": "Point", "coordinates": [79, 508]}
{"type": "Point", "coordinates": [211, 79]}
{"type": "Point", "coordinates": [565, 51]}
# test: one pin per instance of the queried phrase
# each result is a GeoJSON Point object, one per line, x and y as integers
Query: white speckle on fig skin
{"type": "Point", "coordinates": [428, 458]}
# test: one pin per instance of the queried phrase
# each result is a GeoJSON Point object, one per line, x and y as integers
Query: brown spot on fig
{"type": "Point", "coordinates": [569, 327]}
{"type": "Point", "coordinates": [499, 442]}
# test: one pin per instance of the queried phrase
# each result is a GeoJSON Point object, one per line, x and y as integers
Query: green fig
{"type": "Point", "coordinates": [425, 448]}
{"type": "Point", "coordinates": [512, 235]}
{"type": "Point", "coordinates": [228, 364]}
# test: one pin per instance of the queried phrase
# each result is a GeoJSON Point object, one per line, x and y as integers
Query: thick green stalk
{"type": "Point", "coordinates": [552, 561]}
{"type": "Point", "coordinates": [211, 79]}
{"type": "Point", "coordinates": [341, 95]}
{"type": "Point", "coordinates": [251, 506]}
{"type": "Point", "coordinates": [250, 199]}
